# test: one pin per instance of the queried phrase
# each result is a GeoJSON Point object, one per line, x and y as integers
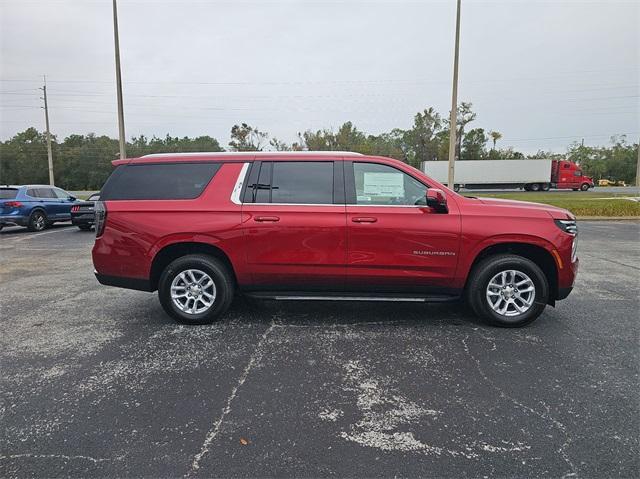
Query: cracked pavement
{"type": "Point", "coordinates": [98, 381]}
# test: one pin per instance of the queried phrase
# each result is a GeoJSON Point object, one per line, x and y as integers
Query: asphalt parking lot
{"type": "Point", "coordinates": [99, 381]}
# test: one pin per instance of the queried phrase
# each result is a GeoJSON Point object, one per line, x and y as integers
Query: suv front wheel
{"type": "Point", "coordinates": [195, 289]}
{"type": "Point", "coordinates": [508, 291]}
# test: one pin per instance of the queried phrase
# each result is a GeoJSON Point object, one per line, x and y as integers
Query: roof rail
{"type": "Point", "coordinates": [254, 153]}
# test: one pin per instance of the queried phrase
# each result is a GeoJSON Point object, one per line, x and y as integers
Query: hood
{"type": "Point", "coordinates": [553, 211]}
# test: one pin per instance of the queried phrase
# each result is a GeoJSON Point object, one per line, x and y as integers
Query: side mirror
{"type": "Point", "coordinates": [437, 200]}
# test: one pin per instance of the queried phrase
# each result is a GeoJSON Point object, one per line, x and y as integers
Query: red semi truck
{"type": "Point", "coordinates": [531, 175]}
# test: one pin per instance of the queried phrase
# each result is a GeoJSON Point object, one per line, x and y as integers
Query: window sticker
{"type": "Point", "coordinates": [383, 184]}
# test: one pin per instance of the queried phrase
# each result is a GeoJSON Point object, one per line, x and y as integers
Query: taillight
{"type": "Point", "coordinates": [13, 204]}
{"type": "Point", "coordinates": [101, 217]}
{"type": "Point", "coordinates": [75, 208]}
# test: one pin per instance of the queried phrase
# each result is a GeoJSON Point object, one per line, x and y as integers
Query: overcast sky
{"type": "Point", "coordinates": [544, 73]}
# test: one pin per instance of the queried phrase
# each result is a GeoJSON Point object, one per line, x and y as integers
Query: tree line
{"type": "Point", "coordinates": [83, 162]}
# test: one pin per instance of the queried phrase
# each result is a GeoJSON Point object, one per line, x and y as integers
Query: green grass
{"type": "Point", "coordinates": [579, 203]}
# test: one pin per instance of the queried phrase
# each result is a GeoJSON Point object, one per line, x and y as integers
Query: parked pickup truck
{"type": "Point", "coordinates": [531, 175]}
{"type": "Point", "coordinates": [323, 226]}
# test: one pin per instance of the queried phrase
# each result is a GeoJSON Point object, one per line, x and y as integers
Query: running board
{"type": "Point", "coordinates": [313, 297]}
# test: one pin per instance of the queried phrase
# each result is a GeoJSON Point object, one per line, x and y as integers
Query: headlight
{"type": "Point", "coordinates": [568, 226]}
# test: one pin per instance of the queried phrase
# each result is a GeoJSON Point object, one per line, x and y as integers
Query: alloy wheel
{"type": "Point", "coordinates": [510, 293]}
{"type": "Point", "coordinates": [39, 222]}
{"type": "Point", "coordinates": [193, 291]}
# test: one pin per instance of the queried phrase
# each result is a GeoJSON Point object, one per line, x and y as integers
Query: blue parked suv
{"type": "Point", "coordinates": [34, 206]}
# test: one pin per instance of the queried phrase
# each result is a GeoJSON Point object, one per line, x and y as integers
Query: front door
{"type": "Point", "coordinates": [294, 225]}
{"type": "Point", "coordinates": [397, 243]}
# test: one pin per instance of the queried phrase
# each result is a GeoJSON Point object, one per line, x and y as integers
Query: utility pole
{"type": "Point", "coordinates": [46, 119]}
{"type": "Point", "coordinates": [454, 105]}
{"type": "Point", "coordinates": [116, 39]}
{"type": "Point", "coordinates": [638, 167]}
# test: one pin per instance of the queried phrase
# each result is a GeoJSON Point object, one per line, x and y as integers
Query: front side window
{"type": "Point", "coordinates": [384, 185]}
{"type": "Point", "coordinates": [63, 195]}
{"type": "Point", "coordinates": [577, 173]}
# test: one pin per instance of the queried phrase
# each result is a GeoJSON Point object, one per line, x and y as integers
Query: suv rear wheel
{"type": "Point", "coordinates": [196, 289]}
{"type": "Point", "coordinates": [508, 291]}
{"type": "Point", "coordinates": [37, 221]}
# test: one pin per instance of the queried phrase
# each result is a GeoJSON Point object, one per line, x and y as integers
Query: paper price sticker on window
{"type": "Point", "coordinates": [384, 184]}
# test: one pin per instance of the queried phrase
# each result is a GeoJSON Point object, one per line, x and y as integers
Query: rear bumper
{"type": "Point", "coordinates": [14, 220]}
{"type": "Point", "coordinates": [122, 282]}
{"type": "Point", "coordinates": [83, 219]}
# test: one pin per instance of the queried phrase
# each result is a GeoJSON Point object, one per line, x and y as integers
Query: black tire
{"type": "Point", "coordinates": [219, 274]}
{"type": "Point", "coordinates": [456, 188]}
{"type": "Point", "coordinates": [546, 187]}
{"type": "Point", "coordinates": [584, 187]}
{"type": "Point", "coordinates": [482, 274]}
{"type": "Point", "coordinates": [37, 221]}
{"type": "Point", "coordinates": [85, 227]}
{"type": "Point", "coordinates": [535, 186]}
{"type": "Point", "coordinates": [527, 187]}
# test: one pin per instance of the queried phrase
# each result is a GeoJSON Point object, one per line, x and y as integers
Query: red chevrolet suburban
{"type": "Point", "coordinates": [199, 227]}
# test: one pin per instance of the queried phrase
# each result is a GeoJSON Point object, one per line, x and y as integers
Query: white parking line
{"type": "Point", "coordinates": [29, 236]}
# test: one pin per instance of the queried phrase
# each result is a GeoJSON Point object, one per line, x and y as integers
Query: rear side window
{"type": "Point", "coordinates": [302, 182]}
{"type": "Point", "coordinates": [8, 193]}
{"type": "Point", "coordinates": [291, 182]}
{"type": "Point", "coordinates": [167, 181]}
{"type": "Point", "coordinates": [45, 193]}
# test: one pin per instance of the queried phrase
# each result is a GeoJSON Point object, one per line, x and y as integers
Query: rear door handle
{"type": "Point", "coordinates": [266, 218]}
{"type": "Point", "coordinates": [364, 219]}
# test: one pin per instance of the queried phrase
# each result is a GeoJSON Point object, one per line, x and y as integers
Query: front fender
{"type": "Point", "coordinates": [469, 254]}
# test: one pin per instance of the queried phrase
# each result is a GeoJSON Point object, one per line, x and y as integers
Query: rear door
{"type": "Point", "coordinates": [36, 197]}
{"type": "Point", "coordinates": [294, 225]}
{"type": "Point", "coordinates": [397, 243]}
{"type": "Point", "coordinates": [52, 204]}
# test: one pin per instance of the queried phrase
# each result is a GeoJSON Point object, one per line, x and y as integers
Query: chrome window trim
{"type": "Point", "coordinates": [336, 204]}
{"type": "Point", "coordinates": [296, 204]}
{"type": "Point", "coordinates": [390, 206]}
{"type": "Point", "coordinates": [237, 189]}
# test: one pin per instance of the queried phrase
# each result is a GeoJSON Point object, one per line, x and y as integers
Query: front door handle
{"type": "Point", "coordinates": [267, 218]}
{"type": "Point", "coordinates": [364, 219]}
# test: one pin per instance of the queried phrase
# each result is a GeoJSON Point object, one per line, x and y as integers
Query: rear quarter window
{"type": "Point", "coordinates": [166, 181]}
{"type": "Point", "coordinates": [8, 193]}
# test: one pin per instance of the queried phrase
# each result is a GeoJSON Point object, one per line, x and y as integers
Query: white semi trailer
{"type": "Point", "coordinates": [532, 175]}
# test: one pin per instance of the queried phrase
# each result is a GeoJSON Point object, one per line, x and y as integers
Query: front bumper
{"type": "Point", "coordinates": [564, 292]}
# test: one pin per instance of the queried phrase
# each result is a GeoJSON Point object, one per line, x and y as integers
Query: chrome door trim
{"type": "Point", "coordinates": [237, 189]}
